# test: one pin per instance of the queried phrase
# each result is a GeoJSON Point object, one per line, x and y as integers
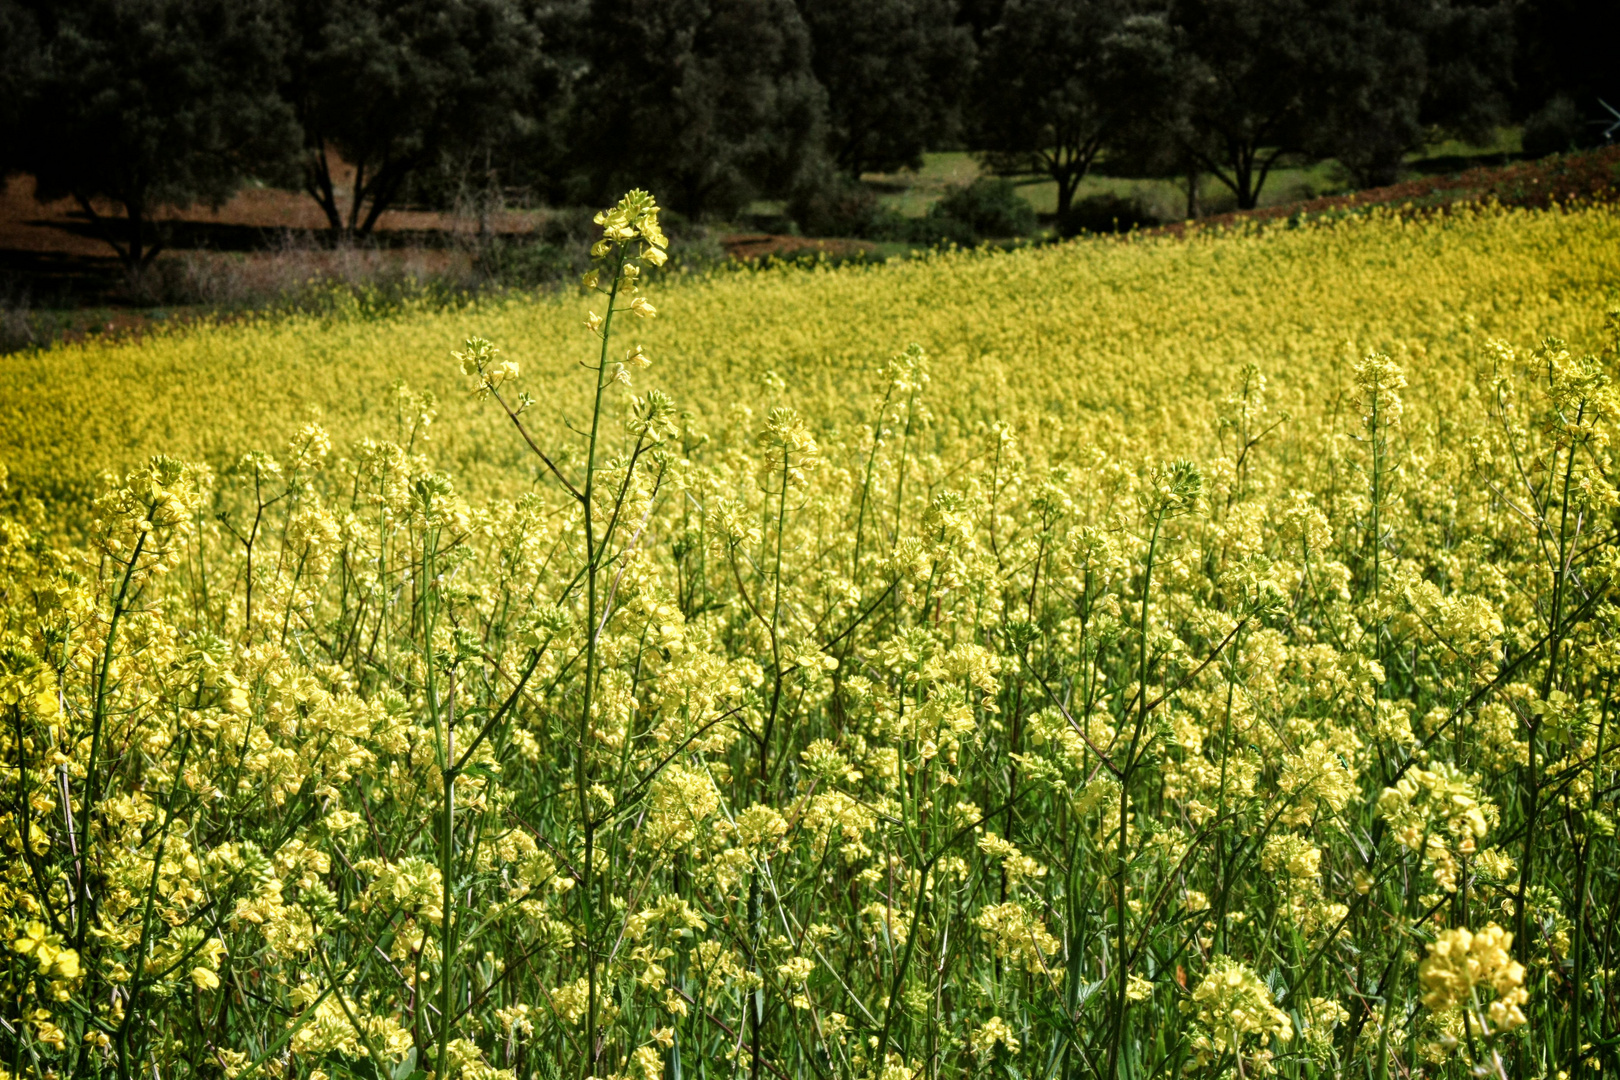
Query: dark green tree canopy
{"type": "Point", "coordinates": [1468, 84]}
{"type": "Point", "coordinates": [1059, 79]}
{"type": "Point", "coordinates": [1398, 72]}
{"type": "Point", "coordinates": [894, 72]}
{"type": "Point", "coordinates": [706, 103]}
{"type": "Point", "coordinates": [715, 103]}
{"type": "Point", "coordinates": [1252, 74]}
{"type": "Point", "coordinates": [149, 103]}
{"type": "Point", "coordinates": [394, 85]}
{"type": "Point", "coordinates": [1566, 48]}
{"type": "Point", "coordinates": [20, 71]}
{"type": "Point", "coordinates": [1364, 81]}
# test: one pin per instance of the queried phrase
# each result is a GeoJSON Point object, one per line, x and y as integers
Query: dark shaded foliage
{"type": "Point", "coordinates": [894, 72]}
{"type": "Point", "coordinates": [706, 103]}
{"type": "Point", "coordinates": [145, 104]}
{"type": "Point", "coordinates": [1106, 213]}
{"type": "Point", "coordinates": [395, 87]}
{"type": "Point", "coordinates": [991, 207]}
{"type": "Point", "coordinates": [1059, 80]}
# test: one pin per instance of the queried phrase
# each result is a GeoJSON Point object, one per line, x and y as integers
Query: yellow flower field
{"type": "Point", "coordinates": [1133, 339]}
{"type": "Point", "coordinates": [1129, 658]}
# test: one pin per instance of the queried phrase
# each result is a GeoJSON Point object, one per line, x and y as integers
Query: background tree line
{"type": "Point", "coordinates": [714, 103]}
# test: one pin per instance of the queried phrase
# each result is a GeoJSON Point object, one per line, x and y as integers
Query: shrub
{"type": "Point", "coordinates": [829, 203]}
{"type": "Point", "coordinates": [524, 263]}
{"type": "Point", "coordinates": [1555, 128]}
{"type": "Point", "coordinates": [1106, 213]}
{"type": "Point", "coordinates": [17, 323]}
{"type": "Point", "coordinates": [932, 229]}
{"type": "Point", "coordinates": [990, 208]}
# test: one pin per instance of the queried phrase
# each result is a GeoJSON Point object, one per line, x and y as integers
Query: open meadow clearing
{"type": "Point", "coordinates": [1141, 657]}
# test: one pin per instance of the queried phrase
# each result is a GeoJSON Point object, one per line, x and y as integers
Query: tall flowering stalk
{"type": "Point", "coordinates": [631, 237]}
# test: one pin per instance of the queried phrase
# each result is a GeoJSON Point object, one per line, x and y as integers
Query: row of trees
{"type": "Point", "coordinates": [143, 103]}
{"type": "Point", "coordinates": [1229, 87]}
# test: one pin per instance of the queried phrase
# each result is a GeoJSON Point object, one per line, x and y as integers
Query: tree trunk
{"type": "Point", "coordinates": [357, 194]}
{"type": "Point", "coordinates": [133, 251]}
{"type": "Point", "coordinates": [1065, 199]}
{"type": "Point", "coordinates": [1068, 165]}
{"type": "Point", "coordinates": [1251, 171]}
{"type": "Point", "coordinates": [1247, 196]}
{"type": "Point", "coordinates": [318, 182]}
{"type": "Point", "coordinates": [381, 192]}
{"type": "Point", "coordinates": [134, 221]}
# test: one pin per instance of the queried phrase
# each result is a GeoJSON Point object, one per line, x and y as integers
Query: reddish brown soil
{"type": "Point", "coordinates": [61, 227]}
{"type": "Point", "coordinates": [54, 248]}
{"type": "Point", "coordinates": [1593, 176]}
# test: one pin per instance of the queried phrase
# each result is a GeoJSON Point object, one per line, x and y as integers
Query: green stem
{"type": "Point", "coordinates": [92, 794]}
{"type": "Point", "coordinates": [582, 767]}
{"type": "Point", "coordinates": [1578, 989]}
{"type": "Point", "coordinates": [1126, 772]}
{"type": "Point", "coordinates": [756, 999]}
{"type": "Point", "coordinates": [776, 640]}
{"type": "Point", "coordinates": [443, 736]}
{"type": "Point", "coordinates": [135, 987]}
{"type": "Point", "coordinates": [900, 476]}
{"type": "Point", "coordinates": [866, 484]}
{"type": "Point", "coordinates": [1220, 809]}
{"type": "Point", "coordinates": [1378, 458]}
